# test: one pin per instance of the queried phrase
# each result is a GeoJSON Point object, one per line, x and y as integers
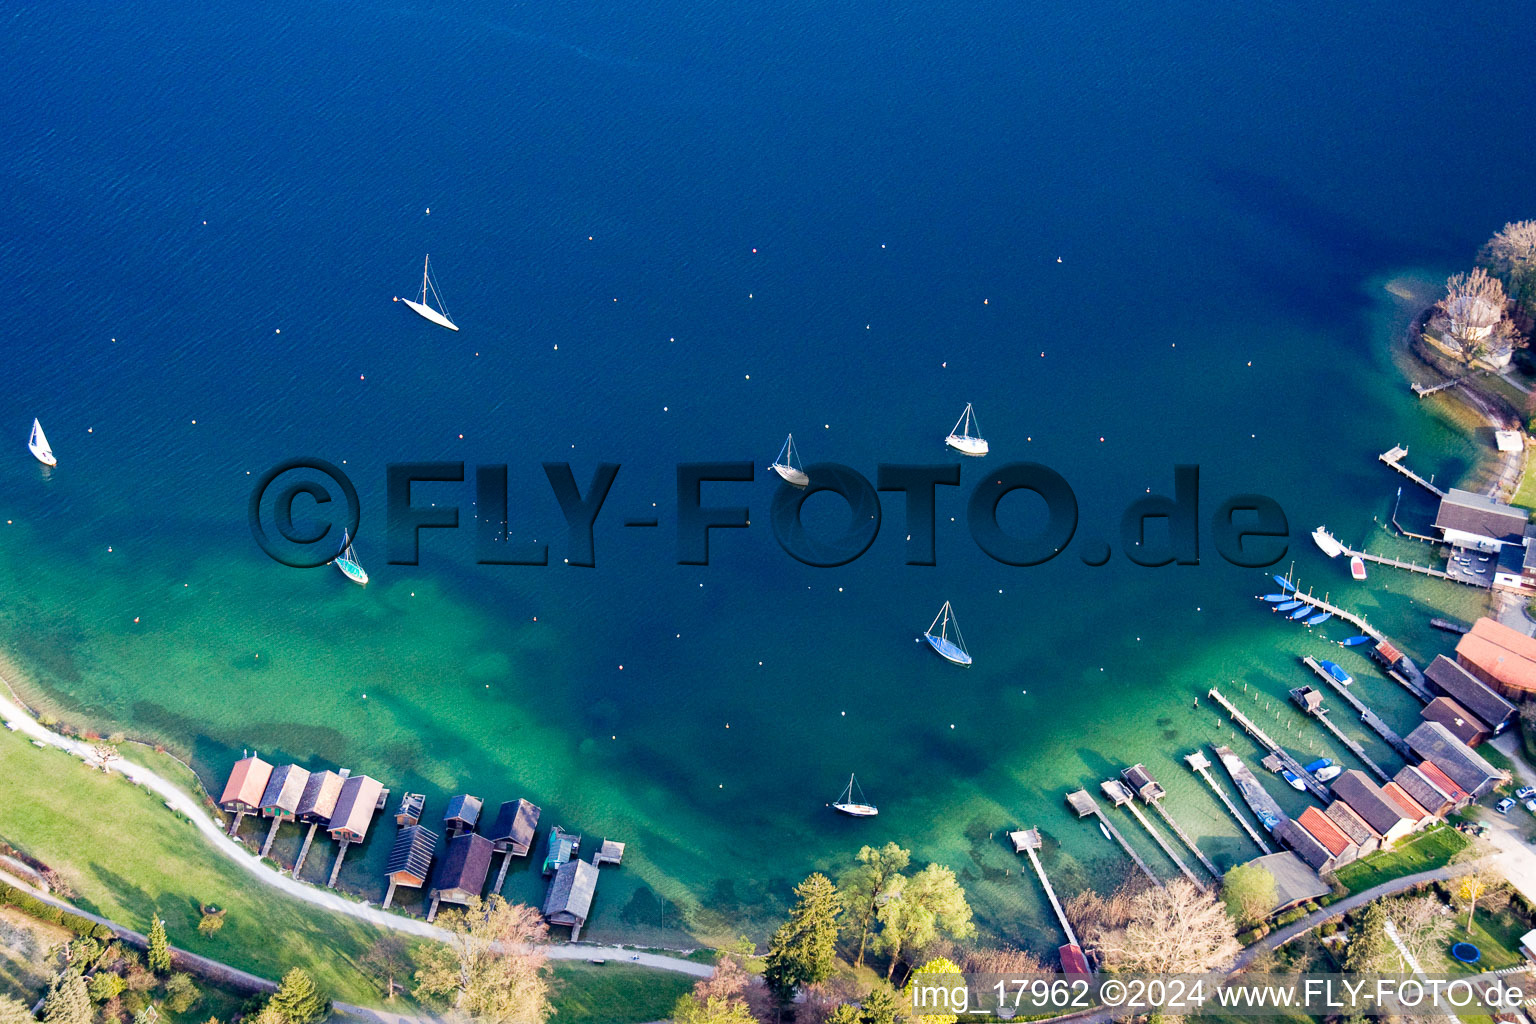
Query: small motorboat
{"type": "Point", "coordinates": [1285, 584]}
{"type": "Point", "coordinates": [1337, 671]}
{"type": "Point", "coordinates": [1325, 540]}
{"type": "Point", "coordinates": [1302, 612]}
{"type": "Point", "coordinates": [1357, 567]}
{"type": "Point", "coordinates": [1294, 779]}
{"type": "Point", "coordinates": [1105, 831]}
{"type": "Point", "coordinates": [1276, 598]}
{"type": "Point", "coordinates": [1355, 641]}
{"type": "Point", "coordinates": [1319, 618]}
{"type": "Point", "coordinates": [1320, 764]}
{"type": "Point", "coordinates": [1328, 774]}
{"type": "Point", "coordinates": [1290, 606]}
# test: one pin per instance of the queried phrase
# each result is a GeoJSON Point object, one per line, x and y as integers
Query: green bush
{"type": "Point", "coordinates": [1290, 917]}
{"type": "Point", "coordinates": [1328, 928]}
{"type": "Point", "coordinates": [10, 896]}
{"type": "Point", "coordinates": [105, 985]}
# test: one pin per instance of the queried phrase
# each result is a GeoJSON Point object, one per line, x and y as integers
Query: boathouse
{"type": "Point", "coordinates": [1352, 825]}
{"type": "Point", "coordinates": [1467, 519]}
{"type": "Point", "coordinates": [319, 799]}
{"type": "Point", "coordinates": [1459, 797]}
{"type": "Point", "coordinates": [1463, 724]}
{"type": "Point", "coordinates": [1304, 844]}
{"type": "Point", "coordinates": [1448, 679]}
{"type": "Point", "coordinates": [569, 899]}
{"type": "Point", "coordinates": [284, 789]}
{"type": "Point", "coordinates": [409, 811]}
{"type": "Point", "coordinates": [1374, 807]}
{"type": "Point", "coordinates": [1340, 848]}
{"type": "Point", "coordinates": [461, 871]}
{"type": "Point", "coordinates": [1408, 805]}
{"type": "Point", "coordinates": [1295, 883]}
{"type": "Point", "coordinates": [246, 786]}
{"type": "Point", "coordinates": [1142, 783]}
{"type": "Point", "coordinates": [560, 846]}
{"type": "Point", "coordinates": [611, 852]}
{"type": "Point", "coordinates": [512, 831]}
{"type": "Point", "coordinates": [461, 814]}
{"type": "Point", "coordinates": [1503, 658]}
{"type": "Point", "coordinates": [1072, 959]}
{"type": "Point", "coordinates": [1388, 655]}
{"type": "Point", "coordinates": [410, 859]}
{"type": "Point", "coordinates": [1425, 793]}
{"type": "Point", "coordinates": [1435, 743]}
{"type": "Point", "coordinates": [359, 798]}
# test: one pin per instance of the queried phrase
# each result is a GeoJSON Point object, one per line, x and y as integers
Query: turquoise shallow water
{"type": "Point", "coordinates": [598, 181]}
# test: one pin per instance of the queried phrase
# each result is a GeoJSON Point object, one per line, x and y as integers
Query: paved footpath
{"type": "Point", "coordinates": [180, 800]}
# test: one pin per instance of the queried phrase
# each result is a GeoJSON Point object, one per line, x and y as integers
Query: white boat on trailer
{"type": "Point", "coordinates": [422, 306]}
{"type": "Point", "coordinates": [966, 437]}
{"type": "Point", "coordinates": [787, 465]}
{"type": "Point", "coordinates": [37, 444]}
{"type": "Point", "coordinates": [859, 808]}
{"type": "Point", "coordinates": [947, 641]}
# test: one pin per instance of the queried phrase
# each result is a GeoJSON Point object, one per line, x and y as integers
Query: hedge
{"type": "Point", "coordinates": [10, 896]}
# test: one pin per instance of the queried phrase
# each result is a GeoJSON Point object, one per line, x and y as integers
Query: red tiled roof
{"type": "Point", "coordinates": [1399, 796]}
{"type": "Point", "coordinates": [1072, 960]}
{"type": "Point", "coordinates": [1506, 655]}
{"type": "Point", "coordinates": [1433, 773]}
{"type": "Point", "coordinates": [247, 781]}
{"type": "Point", "coordinates": [1319, 827]}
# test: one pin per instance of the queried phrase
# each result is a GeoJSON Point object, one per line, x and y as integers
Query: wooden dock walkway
{"type": "Point", "coordinates": [1119, 793]}
{"type": "Point", "coordinates": [1398, 563]}
{"type": "Point", "coordinates": [1321, 714]}
{"type": "Point", "coordinates": [1394, 458]}
{"type": "Point", "coordinates": [1184, 838]}
{"type": "Point", "coordinates": [1028, 840]}
{"type": "Point", "coordinates": [1314, 787]}
{"type": "Point", "coordinates": [1451, 626]}
{"type": "Point", "coordinates": [1084, 804]}
{"type": "Point", "coordinates": [1358, 621]}
{"type": "Point", "coordinates": [1435, 389]}
{"type": "Point", "coordinates": [1369, 717]}
{"type": "Point", "coordinates": [1201, 766]}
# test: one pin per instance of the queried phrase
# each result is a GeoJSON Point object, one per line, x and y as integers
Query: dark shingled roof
{"type": "Point", "coordinates": [1435, 743]}
{"type": "Point", "coordinates": [412, 853]}
{"type": "Point", "coordinates": [463, 808]}
{"type": "Point", "coordinates": [1451, 680]}
{"type": "Point", "coordinates": [515, 822]}
{"type": "Point", "coordinates": [1294, 881]}
{"type": "Point", "coordinates": [464, 864]}
{"type": "Point", "coordinates": [1469, 512]}
{"type": "Point", "coordinates": [1366, 799]}
{"type": "Point", "coordinates": [1306, 845]}
{"type": "Point", "coordinates": [284, 788]}
{"type": "Point", "coordinates": [320, 794]}
{"type": "Point", "coordinates": [570, 893]}
{"type": "Point", "coordinates": [1463, 724]}
{"type": "Point", "coordinates": [355, 805]}
{"type": "Point", "coordinates": [1350, 823]}
{"type": "Point", "coordinates": [1422, 788]}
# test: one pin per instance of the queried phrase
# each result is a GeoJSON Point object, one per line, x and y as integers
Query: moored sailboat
{"type": "Point", "coordinates": [787, 465]}
{"type": "Point", "coordinates": [420, 304]}
{"type": "Point", "coordinates": [859, 808]}
{"type": "Point", "coordinates": [38, 445]}
{"type": "Point", "coordinates": [948, 642]}
{"type": "Point", "coordinates": [966, 437]}
{"type": "Point", "coordinates": [347, 562]}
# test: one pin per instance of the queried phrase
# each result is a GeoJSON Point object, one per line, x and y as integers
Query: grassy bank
{"type": "Point", "coordinates": [1430, 849]}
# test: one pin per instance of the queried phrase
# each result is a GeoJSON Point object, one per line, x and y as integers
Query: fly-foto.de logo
{"type": "Point", "coordinates": [305, 512]}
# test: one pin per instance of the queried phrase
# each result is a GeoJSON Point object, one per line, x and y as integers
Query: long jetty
{"type": "Point", "coordinates": [1185, 839]}
{"type": "Point", "coordinates": [1424, 391]}
{"type": "Point", "coordinates": [1084, 804]}
{"type": "Point", "coordinates": [1394, 458]}
{"type": "Point", "coordinates": [1320, 713]}
{"type": "Point", "coordinates": [1314, 787]}
{"type": "Point", "coordinates": [1358, 621]}
{"type": "Point", "coordinates": [1398, 563]}
{"type": "Point", "coordinates": [1369, 717]}
{"type": "Point", "coordinates": [1028, 840]}
{"type": "Point", "coordinates": [1202, 767]}
{"type": "Point", "coordinates": [1118, 793]}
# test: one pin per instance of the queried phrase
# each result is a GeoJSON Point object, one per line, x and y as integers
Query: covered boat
{"type": "Point", "coordinates": [1337, 671]}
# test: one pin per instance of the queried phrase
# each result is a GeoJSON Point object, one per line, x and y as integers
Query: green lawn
{"type": "Point", "coordinates": [614, 993]}
{"type": "Point", "coordinates": [1432, 848]}
{"type": "Point", "coordinates": [128, 857]}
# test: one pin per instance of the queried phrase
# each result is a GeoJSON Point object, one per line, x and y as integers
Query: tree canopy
{"type": "Point", "coordinates": [492, 968]}
{"type": "Point", "coordinates": [938, 965]}
{"type": "Point", "coordinates": [868, 883]}
{"type": "Point", "coordinates": [68, 1001]}
{"type": "Point", "coordinates": [918, 909]}
{"type": "Point", "coordinates": [159, 955]}
{"type": "Point", "coordinates": [1249, 893]}
{"type": "Point", "coordinates": [1171, 929]}
{"type": "Point", "coordinates": [298, 1000]}
{"type": "Point", "coordinates": [804, 949]}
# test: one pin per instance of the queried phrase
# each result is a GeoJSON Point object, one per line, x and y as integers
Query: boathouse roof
{"type": "Point", "coordinates": [462, 810]}
{"type": "Point", "coordinates": [516, 821]}
{"type": "Point", "coordinates": [1425, 792]}
{"type": "Point", "coordinates": [411, 806]}
{"type": "Point", "coordinates": [1141, 780]}
{"type": "Point", "coordinates": [1294, 881]}
{"type": "Point", "coordinates": [355, 805]}
{"type": "Point", "coordinates": [1072, 960]}
{"type": "Point", "coordinates": [1350, 823]}
{"type": "Point", "coordinates": [1409, 806]}
{"type": "Point", "coordinates": [320, 794]}
{"type": "Point", "coordinates": [1478, 515]}
{"type": "Point", "coordinates": [462, 869]}
{"type": "Point", "coordinates": [1434, 742]}
{"type": "Point", "coordinates": [284, 789]}
{"type": "Point", "coordinates": [569, 899]}
{"type": "Point", "coordinates": [1463, 724]}
{"type": "Point", "coordinates": [1305, 845]}
{"type": "Point", "coordinates": [411, 856]}
{"type": "Point", "coordinates": [1503, 658]}
{"type": "Point", "coordinates": [1443, 782]}
{"type": "Point", "coordinates": [247, 782]}
{"type": "Point", "coordinates": [1325, 831]}
{"type": "Point", "coordinates": [1451, 680]}
{"type": "Point", "coordinates": [1366, 799]}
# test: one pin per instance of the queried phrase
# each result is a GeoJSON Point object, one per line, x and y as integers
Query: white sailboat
{"type": "Point", "coordinates": [966, 437]}
{"type": "Point", "coordinates": [787, 465]}
{"type": "Point", "coordinates": [38, 444]}
{"type": "Point", "coordinates": [421, 305]}
{"type": "Point", "coordinates": [947, 641]}
{"type": "Point", "coordinates": [347, 562]}
{"type": "Point", "coordinates": [846, 804]}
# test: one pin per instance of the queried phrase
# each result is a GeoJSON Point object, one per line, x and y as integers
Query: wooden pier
{"type": "Point", "coordinates": [1314, 787]}
{"type": "Point", "coordinates": [1394, 458]}
{"type": "Point", "coordinates": [1369, 717]}
{"type": "Point", "coordinates": [1435, 389]}
{"type": "Point", "coordinates": [309, 837]}
{"type": "Point", "coordinates": [1152, 793]}
{"type": "Point", "coordinates": [1264, 807]}
{"type": "Point", "coordinates": [1315, 709]}
{"type": "Point", "coordinates": [1398, 563]}
{"type": "Point", "coordinates": [1358, 621]}
{"type": "Point", "coordinates": [1451, 626]}
{"type": "Point", "coordinates": [1084, 805]}
{"type": "Point", "coordinates": [1028, 841]}
{"type": "Point", "coordinates": [1119, 794]}
{"type": "Point", "coordinates": [1201, 766]}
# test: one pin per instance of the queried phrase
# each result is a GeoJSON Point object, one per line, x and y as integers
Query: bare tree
{"type": "Point", "coordinates": [1422, 924]}
{"type": "Point", "coordinates": [104, 756]}
{"type": "Point", "coordinates": [492, 968]}
{"type": "Point", "coordinates": [1173, 929]}
{"type": "Point", "coordinates": [1511, 254]}
{"type": "Point", "coordinates": [1472, 313]}
{"type": "Point", "coordinates": [1483, 884]}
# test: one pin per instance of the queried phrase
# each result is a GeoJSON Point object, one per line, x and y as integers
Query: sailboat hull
{"type": "Point", "coordinates": [947, 650]}
{"type": "Point", "coordinates": [973, 446]}
{"type": "Point", "coordinates": [791, 475]}
{"type": "Point", "coordinates": [43, 455]}
{"type": "Point", "coordinates": [856, 810]}
{"type": "Point", "coordinates": [352, 571]}
{"type": "Point", "coordinates": [431, 314]}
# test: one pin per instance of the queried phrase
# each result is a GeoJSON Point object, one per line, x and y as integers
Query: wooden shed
{"type": "Point", "coordinates": [561, 846]}
{"type": "Point", "coordinates": [410, 859]}
{"type": "Point", "coordinates": [355, 805]}
{"type": "Point", "coordinates": [512, 831]}
{"type": "Point", "coordinates": [1139, 779]}
{"type": "Point", "coordinates": [569, 899]}
{"type": "Point", "coordinates": [319, 799]}
{"type": "Point", "coordinates": [461, 872]}
{"type": "Point", "coordinates": [461, 814]}
{"type": "Point", "coordinates": [411, 806]}
{"type": "Point", "coordinates": [243, 792]}
{"type": "Point", "coordinates": [280, 802]}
